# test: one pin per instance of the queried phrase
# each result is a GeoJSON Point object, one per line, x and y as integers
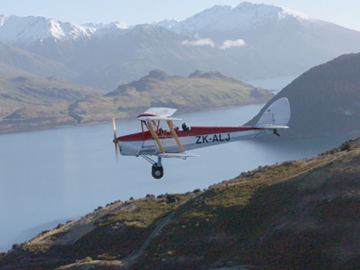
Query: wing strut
{"type": "Point", "coordinates": [171, 126]}
{"type": "Point", "coordinates": [156, 138]}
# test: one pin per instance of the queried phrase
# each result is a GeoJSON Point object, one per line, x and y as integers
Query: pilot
{"type": "Point", "coordinates": [185, 127]}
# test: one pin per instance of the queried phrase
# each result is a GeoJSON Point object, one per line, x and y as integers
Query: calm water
{"type": "Point", "coordinates": [51, 176]}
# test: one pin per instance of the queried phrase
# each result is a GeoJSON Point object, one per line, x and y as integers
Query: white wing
{"type": "Point", "coordinates": [158, 114]}
{"type": "Point", "coordinates": [176, 155]}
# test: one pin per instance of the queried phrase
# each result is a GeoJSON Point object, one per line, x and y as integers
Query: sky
{"type": "Point", "coordinates": [132, 12]}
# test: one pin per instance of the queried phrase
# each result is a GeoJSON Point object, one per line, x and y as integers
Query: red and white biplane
{"type": "Point", "coordinates": [172, 142]}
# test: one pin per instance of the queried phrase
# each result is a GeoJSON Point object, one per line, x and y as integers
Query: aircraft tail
{"type": "Point", "coordinates": [277, 115]}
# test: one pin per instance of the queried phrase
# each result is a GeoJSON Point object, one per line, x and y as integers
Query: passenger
{"type": "Point", "coordinates": [185, 127]}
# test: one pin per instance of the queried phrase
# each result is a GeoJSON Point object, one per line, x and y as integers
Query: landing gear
{"type": "Point", "coordinates": [157, 171]}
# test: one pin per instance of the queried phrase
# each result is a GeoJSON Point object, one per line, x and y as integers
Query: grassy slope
{"type": "Point", "coordinates": [35, 90]}
{"type": "Point", "coordinates": [28, 103]}
{"type": "Point", "coordinates": [296, 215]}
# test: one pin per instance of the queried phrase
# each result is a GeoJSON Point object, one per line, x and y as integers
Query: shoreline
{"type": "Point", "coordinates": [53, 126]}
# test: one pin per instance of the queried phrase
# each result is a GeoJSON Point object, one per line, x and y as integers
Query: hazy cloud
{"type": "Point", "coordinates": [232, 43]}
{"type": "Point", "coordinates": [199, 42]}
{"type": "Point", "coordinates": [209, 42]}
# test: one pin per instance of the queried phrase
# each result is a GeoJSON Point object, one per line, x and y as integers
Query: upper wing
{"type": "Point", "coordinates": [158, 114]}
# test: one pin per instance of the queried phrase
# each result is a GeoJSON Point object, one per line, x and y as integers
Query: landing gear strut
{"type": "Point", "coordinates": [157, 170]}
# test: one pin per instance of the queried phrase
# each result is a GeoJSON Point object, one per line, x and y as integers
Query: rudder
{"type": "Point", "coordinates": [277, 115]}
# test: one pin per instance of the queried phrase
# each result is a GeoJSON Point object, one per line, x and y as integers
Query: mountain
{"type": "Point", "coordinates": [325, 100]}
{"type": "Point", "coordinates": [126, 57]}
{"type": "Point", "coordinates": [300, 214]}
{"type": "Point", "coordinates": [201, 90]}
{"type": "Point", "coordinates": [246, 42]}
{"type": "Point", "coordinates": [43, 36]}
{"type": "Point", "coordinates": [259, 34]}
{"type": "Point", "coordinates": [16, 61]}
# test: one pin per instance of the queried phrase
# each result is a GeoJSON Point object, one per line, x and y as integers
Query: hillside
{"type": "Point", "coordinates": [300, 214]}
{"type": "Point", "coordinates": [324, 100]}
{"type": "Point", "coordinates": [200, 91]}
{"type": "Point", "coordinates": [29, 102]}
{"type": "Point", "coordinates": [18, 62]}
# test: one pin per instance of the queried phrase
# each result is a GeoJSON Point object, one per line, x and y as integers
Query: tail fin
{"type": "Point", "coordinates": [277, 115]}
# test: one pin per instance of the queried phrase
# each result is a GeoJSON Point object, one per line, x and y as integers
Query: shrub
{"type": "Point", "coordinates": [172, 198]}
{"type": "Point", "coordinates": [345, 146]}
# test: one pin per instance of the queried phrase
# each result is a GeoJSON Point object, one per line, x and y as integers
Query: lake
{"type": "Point", "coordinates": [52, 176]}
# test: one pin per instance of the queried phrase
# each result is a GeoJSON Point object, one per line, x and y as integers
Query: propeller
{"type": "Point", "coordinates": [115, 141]}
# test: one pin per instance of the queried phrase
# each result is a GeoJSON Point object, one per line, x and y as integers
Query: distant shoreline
{"type": "Point", "coordinates": [52, 126]}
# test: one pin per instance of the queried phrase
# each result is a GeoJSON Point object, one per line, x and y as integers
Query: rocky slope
{"type": "Point", "coordinates": [300, 214]}
{"type": "Point", "coordinates": [324, 100]}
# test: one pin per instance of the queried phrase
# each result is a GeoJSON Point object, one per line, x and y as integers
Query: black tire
{"type": "Point", "coordinates": [157, 171]}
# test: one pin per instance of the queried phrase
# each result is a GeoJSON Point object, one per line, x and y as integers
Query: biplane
{"type": "Point", "coordinates": [161, 138]}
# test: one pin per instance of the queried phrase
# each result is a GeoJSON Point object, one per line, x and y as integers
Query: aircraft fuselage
{"type": "Point", "coordinates": [143, 143]}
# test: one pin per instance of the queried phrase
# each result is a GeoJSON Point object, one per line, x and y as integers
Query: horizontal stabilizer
{"type": "Point", "coordinates": [272, 127]}
{"type": "Point", "coordinates": [176, 155]}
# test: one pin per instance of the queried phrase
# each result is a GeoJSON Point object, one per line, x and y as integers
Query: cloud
{"type": "Point", "coordinates": [199, 42]}
{"type": "Point", "coordinates": [209, 42]}
{"type": "Point", "coordinates": [232, 43]}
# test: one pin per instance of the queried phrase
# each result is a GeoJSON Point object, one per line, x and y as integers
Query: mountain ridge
{"type": "Point", "coordinates": [246, 42]}
{"type": "Point", "coordinates": [244, 16]}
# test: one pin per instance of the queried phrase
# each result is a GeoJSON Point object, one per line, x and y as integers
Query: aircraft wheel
{"type": "Point", "coordinates": [157, 171]}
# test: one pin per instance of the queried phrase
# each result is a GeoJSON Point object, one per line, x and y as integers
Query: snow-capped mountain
{"type": "Point", "coordinates": [20, 30]}
{"type": "Point", "coordinates": [111, 30]}
{"type": "Point", "coordinates": [168, 23]}
{"type": "Point", "coordinates": [30, 30]}
{"type": "Point", "coordinates": [248, 41]}
{"type": "Point", "coordinates": [244, 17]}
